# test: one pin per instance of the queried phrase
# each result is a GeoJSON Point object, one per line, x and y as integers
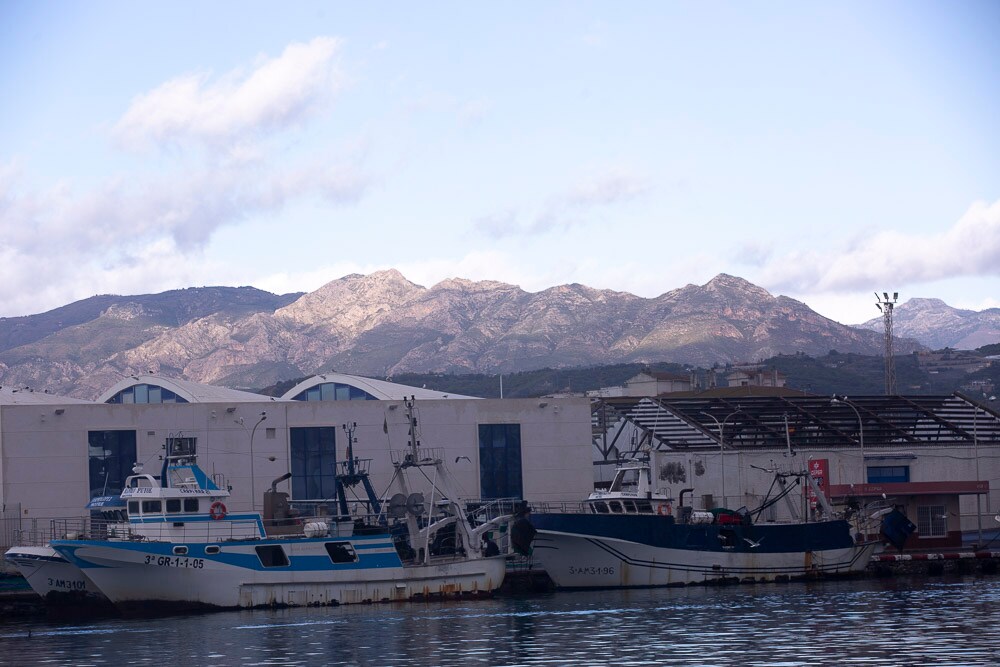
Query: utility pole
{"type": "Point", "coordinates": [887, 305]}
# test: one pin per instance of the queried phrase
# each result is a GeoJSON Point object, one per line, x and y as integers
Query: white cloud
{"type": "Point", "coordinates": [569, 209]}
{"type": "Point", "coordinates": [275, 93]}
{"type": "Point", "coordinates": [611, 187]}
{"type": "Point", "coordinates": [971, 247]}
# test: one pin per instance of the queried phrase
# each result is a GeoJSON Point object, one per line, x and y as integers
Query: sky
{"type": "Point", "coordinates": [822, 150]}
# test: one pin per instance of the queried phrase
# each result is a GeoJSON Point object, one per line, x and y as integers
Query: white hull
{"type": "Point", "coordinates": [136, 576]}
{"type": "Point", "coordinates": [52, 576]}
{"type": "Point", "coordinates": [582, 561]}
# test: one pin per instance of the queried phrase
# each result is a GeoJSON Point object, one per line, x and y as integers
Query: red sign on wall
{"type": "Point", "coordinates": [819, 469]}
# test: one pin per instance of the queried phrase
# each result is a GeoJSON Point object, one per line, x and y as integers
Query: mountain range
{"type": "Point", "coordinates": [382, 324]}
{"type": "Point", "coordinates": [937, 325]}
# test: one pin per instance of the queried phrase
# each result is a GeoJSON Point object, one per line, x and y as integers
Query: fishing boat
{"type": "Point", "coordinates": [58, 581]}
{"type": "Point", "coordinates": [635, 535]}
{"type": "Point", "coordinates": [182, 548]}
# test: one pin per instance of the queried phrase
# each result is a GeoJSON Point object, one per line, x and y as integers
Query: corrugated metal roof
{"type": "Point", "coordinates": [380, 389]}
{"type": "Point", "coordinates": [26, 396]}
{"type": "Point", "coordinates": [745, 422]}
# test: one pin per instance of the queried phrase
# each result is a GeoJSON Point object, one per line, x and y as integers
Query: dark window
{"type": "Point", "coordinates": [111, 455]}
{"type": "Point", "coordinates": [341, 552]}
{"type": "Point", "coordinates": [629, 506]}
{"type": "Point", "coordinates": [212, 550]}
{"type": "Point", "coordinates": [173, 505]}
{"type": "Point", "coordinates": [180, 551]}
{"type": "Point", "coordinates": [334, 391]}
{"type": "Point", "coordinates": [190, 504]}
{"type": "Point", "coordinates": [272, 556]}
{"type": "Point", "coordinates": [601, 507]}
{"type": "Point", "coordinates": [884, 474]}
{"type": "Point", "coordinates": [314, 462]}
{"type": "Point", "coordinates": [151, 506]}
{"type": "Point", "coordinates": [133, 507]}
{"type": "Point", "coordinates": [643, 507]}
{"type": "Point", "coordinates": [500, 460]}
{"type": "Point", "coordinates": [616, 507]}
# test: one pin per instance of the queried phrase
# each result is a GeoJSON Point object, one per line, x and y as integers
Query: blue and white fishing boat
{"type": "Point", "coordinates": [182, 548]}
{"type": "Point", "coordinates": [634, 536]}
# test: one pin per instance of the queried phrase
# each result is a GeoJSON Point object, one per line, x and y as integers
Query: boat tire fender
{"type": "Point", "coordinates": [217, 510]}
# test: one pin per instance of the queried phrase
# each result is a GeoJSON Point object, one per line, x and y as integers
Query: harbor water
{"type": "Point", "coordinates": [900, 621]}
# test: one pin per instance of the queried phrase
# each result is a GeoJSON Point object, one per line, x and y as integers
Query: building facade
{"type": "Point", "coordinates": [56, 453]}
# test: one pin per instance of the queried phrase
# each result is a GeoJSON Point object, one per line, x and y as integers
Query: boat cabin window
{"type": "Point", "coordinates": [625, 479]}
{"type": "Point", "coordinates": [629, 506]}
{"type": "Point", "coordinates": [341, 552]}
{"type": "Point", "coordinates": [190, 504]}
{"type": "Point", "coordinates": [133, 507]}
{"type": "Point", "coordinates": [616, 507]}
{"type": "Point", "coordinates": [180, 551]}
{"type": "Point", "coordinates": [601, 507]}
{"type": "Point", "coordinates": [643, 507]}
{"type": "Point", "coordinates": [272, 555]}
{"type": "Point", "coordinates": [151, 507]}
{"type": "Point", "coordinates": [173, 505]}
{"type": "Point", "coordinates": [212, 550]}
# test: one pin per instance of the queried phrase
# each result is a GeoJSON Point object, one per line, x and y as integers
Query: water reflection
{"type": "Point", "coordinates": [871, 622]}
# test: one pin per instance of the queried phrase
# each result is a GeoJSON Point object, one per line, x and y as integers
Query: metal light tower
{"type": "Point", "coordinates": [886, 306]}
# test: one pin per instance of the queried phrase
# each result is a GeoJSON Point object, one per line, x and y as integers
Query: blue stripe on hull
{"type": "Point", "coordinates": [243, 555]}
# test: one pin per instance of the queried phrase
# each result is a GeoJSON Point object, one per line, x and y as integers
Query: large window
{"type": "Point", "coordinates": [334, 391]}
{"type": "Point", "coordinates": [314, 463]}
{"type": "Point", "coordinates": [500, 461]}
{"type": "Point", "coordinates": [888, 474]}
{"type": "Point", "coordinates": [111, 455]}
{"type": "Point", "coordinates": [932, 521]}
{"type": "Point", "coordinates": [146, 393]}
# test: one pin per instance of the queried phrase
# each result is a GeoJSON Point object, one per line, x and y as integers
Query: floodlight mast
{"type": "Point", "coordinates": [886, 305]}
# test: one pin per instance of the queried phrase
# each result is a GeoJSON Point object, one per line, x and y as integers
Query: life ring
{"type": "Point", "coordinates": [659, 510]}
{"type": "Point", "coordinates": [667, 510]}
{"type": "Point", "coordinates": [217, 510]}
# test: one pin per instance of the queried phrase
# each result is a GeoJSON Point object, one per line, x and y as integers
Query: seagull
{"type": "Point", "coordinates": [753, 545]}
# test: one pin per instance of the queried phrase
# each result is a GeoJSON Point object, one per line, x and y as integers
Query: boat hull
{"type": "Point", "coordinates": [137, 576]}
{"type": "Point", "coordinates": [52, 576]}
{"type": "Point", "coordinates": [591, 551]}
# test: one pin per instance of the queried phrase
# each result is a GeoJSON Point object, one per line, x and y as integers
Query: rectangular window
{"type": "Point", "coordinates": [932, 521]}
{"type": "Point", "coordinates": [133, 507]}
{"type": "Point", "coordinates": [500, 461]}
{"type": "Point", "coordinates": [341, 552]}
{"type": "Point", "coordinates": [110, 455]}
{"type": "Point", "coordinates": [173, 505]}
{"type": "Point", "coordinates": [151, 507]}
{"type": "Point", "coordinates": [272, 556]}
{"type": "Point", "coordinates": [190, 504]}
{"type": "Point", "coordinates": [888, 474]}
{"type": "Point", "coordinates": [314, 462]}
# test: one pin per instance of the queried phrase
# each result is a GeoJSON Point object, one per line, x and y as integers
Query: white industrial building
{"type": "Point", "coordinates": [56, 453]}
{"type": "Point", "coordinates": [935, 457]}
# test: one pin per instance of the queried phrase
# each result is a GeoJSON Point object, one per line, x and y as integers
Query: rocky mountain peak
{"type": "Point", "coordinates": [347, 302]}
